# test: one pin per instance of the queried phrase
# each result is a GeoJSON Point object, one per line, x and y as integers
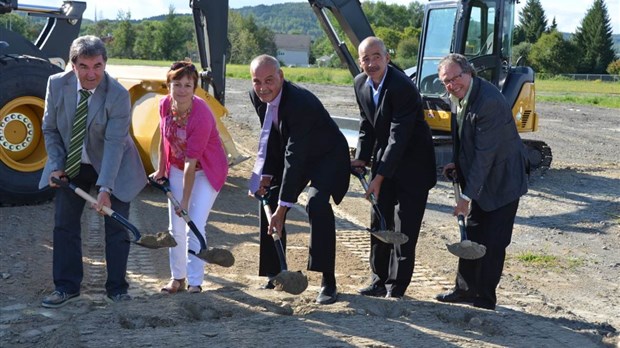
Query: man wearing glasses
{"type": "Point", "coordinates": [490, 162]}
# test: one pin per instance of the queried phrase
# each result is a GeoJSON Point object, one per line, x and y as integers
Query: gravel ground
{"type": "Point", "coordinates": [570, 217]}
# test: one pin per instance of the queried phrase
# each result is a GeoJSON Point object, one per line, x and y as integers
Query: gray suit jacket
{"type": "Point", "coordinates": [109, 145]}
{"type": "Point", "coordinates": [490, 156]}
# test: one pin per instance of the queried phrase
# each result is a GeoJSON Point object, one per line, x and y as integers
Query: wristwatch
{"type": "Point", "coordinates": [105, 189]}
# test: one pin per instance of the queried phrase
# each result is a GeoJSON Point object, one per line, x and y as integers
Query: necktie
{"type": "Point", "coordinates": [262, 151]}
{"type": "Point", "coordinates": [459, 117]}
{"type": "Point", "coordinates": [74, 158]}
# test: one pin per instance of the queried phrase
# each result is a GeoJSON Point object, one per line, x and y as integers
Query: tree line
{"type": "Point", "coordinates": [251, 31]}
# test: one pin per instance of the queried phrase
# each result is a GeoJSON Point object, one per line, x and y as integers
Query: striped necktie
{"type": "Point", "coordinates": [77, 135]}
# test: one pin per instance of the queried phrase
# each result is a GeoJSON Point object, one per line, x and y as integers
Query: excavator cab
{"type": "Point", "coordinates": [482, 31]}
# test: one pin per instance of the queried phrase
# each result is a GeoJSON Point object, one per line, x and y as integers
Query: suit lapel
{"type": "Point", "coordinates": [370, 102]}
{"type": "Point", "coordinates": [70, 99]}
{"type": "Point", "coordinates": [98, 99]}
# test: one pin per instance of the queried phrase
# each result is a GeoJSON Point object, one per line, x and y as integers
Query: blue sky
{"type": "Point", "coordinates": [567, 16]}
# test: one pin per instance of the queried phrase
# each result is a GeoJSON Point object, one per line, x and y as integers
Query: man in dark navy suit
{"type": "Point", "coordinates": [394, 134]}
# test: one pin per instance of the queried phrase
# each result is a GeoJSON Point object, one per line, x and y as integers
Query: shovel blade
{"type": "Point", "coordinates": [291, 282]}
{"type": "Point", "coordinates": [467, 249]}
{"type": "Point", "coordinates": [390, 237]}
{"type": "Point", "coordinates": [220, 257]}
{"type": "Point", "coordinates": [160, 240]}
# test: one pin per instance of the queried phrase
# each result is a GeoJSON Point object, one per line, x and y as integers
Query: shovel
{"type": "Point", "coordinates": [465, 249]}
{"type": "Point", "coordinates": [292, 282]}
{"type": "Point", "coordinates": [383, 234]}
{"type": "Point", "coordinates": [221, 257]}
{"type": "Point", "coordinates": [160, 240]}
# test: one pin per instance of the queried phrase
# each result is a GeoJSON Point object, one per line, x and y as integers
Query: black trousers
{"type": "Point", "coordinates": [403, 212]}
{"type": "Point", "coordinates": [322, 248]}
{"type": "Point", "coordinates": [269, 264]}
{"type": "Point", "coordinates": [67, 254]}
{"type": "Point", "coordinates": [493, 229]}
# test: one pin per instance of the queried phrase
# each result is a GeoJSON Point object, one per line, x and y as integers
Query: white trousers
{"type": "Point", "coordinates": [182, 263]}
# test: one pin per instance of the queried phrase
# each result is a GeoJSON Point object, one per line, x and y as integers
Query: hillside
{"type": "Point", "coordinates": [299, 18]}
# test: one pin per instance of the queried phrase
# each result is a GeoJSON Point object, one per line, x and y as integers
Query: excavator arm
{"type": "Point", "coordinates": [210, 21]}
{"type": "Point", "coordinates": [351, 19]}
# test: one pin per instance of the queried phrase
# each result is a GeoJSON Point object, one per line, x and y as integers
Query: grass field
{"type": "Point", "coordinates": [597, 93]}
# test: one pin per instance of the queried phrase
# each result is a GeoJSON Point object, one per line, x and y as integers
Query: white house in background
{"type": "Point", "coordinates": [293, 50]}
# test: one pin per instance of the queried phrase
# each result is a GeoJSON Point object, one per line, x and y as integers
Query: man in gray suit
{"type": "Point", "coordinates": [105, 157]}
{"type": "Point", "coordinates": [490, 162]}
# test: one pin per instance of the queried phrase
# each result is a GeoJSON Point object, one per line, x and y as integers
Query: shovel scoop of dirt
{"type": "Point", "coordinates": [220, 257]}
{"type": "Point", "coordinates": [390, 237]}
{"type": "Point", "coordinates": [291, 282]}
{"type": "Point", "coordinates": [467, 249]}
{"type": "Point", "coordinates": [157, 241]}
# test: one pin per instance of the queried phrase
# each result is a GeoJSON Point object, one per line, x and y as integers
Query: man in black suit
{"type": "Point", "coordinates": [394, 134]}
{"type": "Point", "coordinates": [304, 146]}
{"type": "Point", "coordinates": [490, 162]}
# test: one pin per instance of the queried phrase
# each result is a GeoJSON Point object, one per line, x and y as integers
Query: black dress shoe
{"type": "Point", "coordinates": [268, 286]}
{"type": "Point", "coordinates": [327, 295]}
{"type": "Point", "coordinates": [373, 290]}
{"type": "Point", "coordinates": [391, 294]}
{"type": "Point", "coordinates": [456, 296]}
{"type": "Point", "coordinates": [482, 303]}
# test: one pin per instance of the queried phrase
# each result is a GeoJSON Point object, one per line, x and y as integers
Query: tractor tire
{"type": "Point", "coordinates": [23, 83]}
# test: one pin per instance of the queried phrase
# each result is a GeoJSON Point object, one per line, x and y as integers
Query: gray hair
{"type": "Point", "coordinates": [460, 60]}
{"type": "Point", "coordinates": [87, 46]}
{"type": "Point", "coordinates": [264, 59]}
{"type": "Point", "coordinates": [371, 41]}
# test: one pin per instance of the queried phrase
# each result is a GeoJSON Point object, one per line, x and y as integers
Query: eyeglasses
{"type": "Point", "coordinates": [447, 82]}
{"type": "Point", "coordinates": [183, 65]}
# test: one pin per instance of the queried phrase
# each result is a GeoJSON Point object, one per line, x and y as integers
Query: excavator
{"type": "Point", "coordinates": [479, 29]}
{"type": "Point", "coordinates": [25, 67]}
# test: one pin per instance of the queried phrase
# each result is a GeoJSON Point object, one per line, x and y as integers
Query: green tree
{"type": "Point", "coordinates": [595, 41]}
{"type": "Point", "coordinates": [614, 67]}
{"type": "Point", "coordinates": [518, 35]}
{"type": "Point", "coordinates": [521, 52]}
{"type": "Point", "coordinates": [533, 22]}
{"type": "Point", "coordinates": [408, 47]}
{"type": "Point", "coordinates": [145, 37]}
{"type": "Point", "coordinates": [247, 39]}
{"type": "Point", "coordinates": [169, 39]}
{"type": "Point", "coordinates": [553, 26]}
{"type": "Point", "coordinates": [14, 23]}
{"type": "Point", "coordinates": [103, 28]}
{"type": "Point", "coordinates": [380, 14]}
{"type": "Point", "coordinates": [124, 36]}
{"type": "Point", "coordinates": [416, 12]}
{"type": "Point", "coordinates": [552, 54]}
{"type": "Point", "coordinates": [391, 38]}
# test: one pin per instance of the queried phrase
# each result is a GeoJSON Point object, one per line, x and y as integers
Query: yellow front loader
{"type": "Point", "coordinates": [25, 67]}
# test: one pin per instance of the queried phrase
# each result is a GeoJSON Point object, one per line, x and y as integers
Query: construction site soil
{"type": "Point", "coordinates": [560, 285]}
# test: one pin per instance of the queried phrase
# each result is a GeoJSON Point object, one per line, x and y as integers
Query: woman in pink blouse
{"type": "Point", "coordinates": [192, 157]}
